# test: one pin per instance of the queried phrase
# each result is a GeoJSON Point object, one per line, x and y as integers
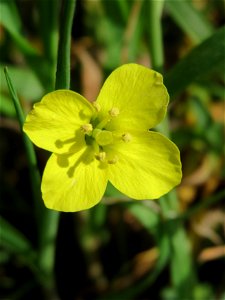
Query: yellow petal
{"type": "Point", "coordinates": [148, 166]}
{"type": "Point", "coordinates": [138, 94]}
{"type": "Point", "coordinates": [54, 123]}
{"type": "Point", "coordinates": [73, 183]}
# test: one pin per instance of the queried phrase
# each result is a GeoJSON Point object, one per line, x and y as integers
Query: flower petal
{"type": "Point", "coordinates": [73, 182]}
{"type": "Point", "coordinates": [138, 93]}
{"type": "Point", "coordinates": [148, 166]}
{"type": "Point", "coordinates": [54, 123]}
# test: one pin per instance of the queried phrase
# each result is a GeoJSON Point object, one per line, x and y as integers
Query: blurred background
{"type": "Point", "coordinates": [170, 249]}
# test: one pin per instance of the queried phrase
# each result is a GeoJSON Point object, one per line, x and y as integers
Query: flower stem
{"type": "Point", "coordinates": [29, 148]}
{"type": "Point", "coordinates": [63, 63]}
{"type": "Point", "coordinates": [155, 34]}
{"type": "Point", "coordinates": [49, 226]}
{"type": "Point", "coordinates": [179, 244]}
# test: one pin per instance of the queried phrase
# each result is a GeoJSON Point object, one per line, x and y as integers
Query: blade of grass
{"type": "Point", "coordinates": [49, 224]}
{"type": "Point", "coordinates": [189, 19]}
{"type": "Point", "coordinates": [132, 34]}
{"type": "Point", "coordinates": [31, 156]}
{"type": "Point", "coordinates": [46, 234]}
{"type": "Point", "coordinates": [48, 18]}
{"type": "Point", "coordinates": [136, 289]}
{"type": "Point", "coordinates": [202, 60]}
{"type": "Point", "coordinates": [10, 19]}
{"type": "Point", "coordinates": [154, 11]}
{"type": "Point", "coordinates": [203, 204]}
{"type": "Point", "coordinates": [16, 242]}
{"type": "Point", "coordinates": [48, 14]}
{"type": "Point", "coordinates": [31, 91]}
{"type": "Point", "coordinates": [182, 274]}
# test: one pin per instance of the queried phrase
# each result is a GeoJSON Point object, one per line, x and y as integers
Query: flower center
{"type": "Point", "coordinates": [102, 137]}
{"type": "Point", "coordinates": [97, 135]}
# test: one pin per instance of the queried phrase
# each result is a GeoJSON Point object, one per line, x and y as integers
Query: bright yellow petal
{"type": "Point", "coordinates": [148, 166]}
{"type": "Point", "coordinates": [138, 93]}
{"type": "Point", "coordinates": [73, 183]}
{"type": "Point", "coordinates": [54, 123]}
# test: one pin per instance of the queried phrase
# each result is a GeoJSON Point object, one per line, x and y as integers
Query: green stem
{"type": "Point", "coordinates": [63, 64]}
{"type": "Point", "coordinates": [29, 148]}
{"type": "Point", "coordinates": [47, 220]}
{"type": "Point", "coordinates": [49, 226]}
{"type": "Point", "coordinates": [155, 34]}
{"type": "Point", "coordinates": [203, 204]}
{"type": "Point", "coordinates": [48, 14]}
{"type": "Point", "coordinates": [182, 274]}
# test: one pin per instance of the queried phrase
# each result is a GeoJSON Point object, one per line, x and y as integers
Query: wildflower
{"type": "Point", "coordinates": [108, 140]}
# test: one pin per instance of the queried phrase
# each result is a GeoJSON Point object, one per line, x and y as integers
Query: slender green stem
{"type": "Point", "coordinates": [48, 14]}
{"type": "Point", "coordinates": [155, 34]}
{"type": "Point", "coordinates": [48, 219]}
{"type": "Point", "coordinates": [63, 64]}
{"type": "Point", "coordinates": [203, 204]}
{"type": "Point", "coordinates": [29, 148]}
{"type": "Point", "coordinates": [182, 275]}
{"type": "Point", "coordinates": [49, 226]}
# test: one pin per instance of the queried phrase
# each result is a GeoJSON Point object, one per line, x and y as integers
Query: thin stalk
{"type": "Point", "coordinates": [63, 63]}
{"type": "Point", "coordinates": [50, 221]}
{"type": "Point", "coordinates": [155, 34]}
{"type": "Point", "coordinates": [29, 148]}
{"type": "Point", "coordinates": [47, 219]}
{"type": "Point", "coordinates": [48, 14]}
{"type": "Point", "coordinates": [169, 202]}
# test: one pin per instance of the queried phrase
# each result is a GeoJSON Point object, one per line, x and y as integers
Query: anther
{"type": "Point", "coordinates": [113, 160]}
{"type": "Point", "coordinates": [114, 112]}
{"type": "Point", "coordinates": [158, 79]}
{"type": "Point", "coordinates": [100, 156]}
{"type": "Point", "coordinates": [126, 137]}
{"type": "Point", "coordinates": [96, 106]}
{"type": "Point", "coordinates": [87, 128]}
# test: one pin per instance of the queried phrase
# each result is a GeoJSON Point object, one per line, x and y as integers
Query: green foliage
{"type": "Point", "coordinates": [107, 244]}
{"type": "Point", "coordinates": [202, 60]}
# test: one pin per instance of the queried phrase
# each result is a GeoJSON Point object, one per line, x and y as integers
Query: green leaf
{"type": "Point", "coordinates": [202, 60]}
{"type": "Point", "coordinates": [14, 240]}
{"type": "Point", "coordinates": [189, 19]}
{"type": "Point", "coordinates": [34, 172]}
{"type": "Point", "coordinates": [145, 215]}
{"type": "Point", "coordinates": [181, 265]}
{"type": "Point", "coordinates": [136, 289]}
{"type": "Point", "coordinates": [111, 191]}
{"type": "Point", "coordinates": [25, 81]}
{"type": "Point", "coordinates": [10, 19]}
{"type": "Point", "coordinates": [6, 106]}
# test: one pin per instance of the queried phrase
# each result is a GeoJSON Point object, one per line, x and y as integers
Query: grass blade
{"type": "Point", "coordinates": [189, 19]}
{"type": "Point", "coordinates": [202, 60]}
{"type": "Point", "coordinates": [31, 156]}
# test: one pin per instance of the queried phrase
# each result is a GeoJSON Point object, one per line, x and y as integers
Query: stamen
{"type": "Point", "coordinates": [114, 112]}
{"type": "Point", "coordinates": [60, 143]}
{"type": "Point", "coordinates": [96, 106]}
{"type": "Point", "coordinates": [103, 123]}
{"type": "Point", "coordinates": [126, 137]}
{"type": "Point", "coordinates": [87, 128]}
{"type": "Point", "coordinates": [113, 160]}
{"type": "Point", "coordinates": [101, 156]}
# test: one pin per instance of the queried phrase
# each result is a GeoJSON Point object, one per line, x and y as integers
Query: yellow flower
{"type": "Point", "coordinates": [108, 140]}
